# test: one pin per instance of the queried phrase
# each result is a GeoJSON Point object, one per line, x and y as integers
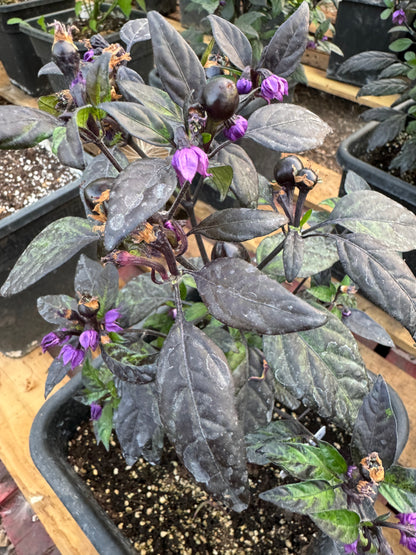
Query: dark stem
{"type": "Point", "coordinates": [184, 189]}
{"type": "Point", "coordinates": [105, 150]}
{"type": "Point", "coordinates": [299, 285]}
{"type": "Point", "coordinates": [271, 255]}
{"type": "Point", "coordinates": [136, 148]}
{"type": "Point", "coordinates": [189, 207]}
{"type": "Point", "coordinates": [303, 193]}
{"type": "Point", "coordinates": [186, 264]}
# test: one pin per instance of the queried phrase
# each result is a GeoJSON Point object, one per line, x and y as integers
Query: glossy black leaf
{"type": "Point", "coordinates": [382, 275]}
{"type": "Point", "coordinates": [141, 189]}
{"type": "Point", "coordinates": [254, 397]}
{"type": "Point", "coordinates": [125, 362]}
{"type": "Point", "coordinates": [378, 114]}
{"type": "Point", "coordinates": [52, 307]}
{"type": "Point", "coordinates": [23, 127]}
{"type": "Point", "coordinates": [239, 224]}
{"type": "Point", "coordinates": [97, 79]}
{"type": "Point", "coordinates": [286, 128]}
{"type": "Point", "coordinates": [56, 373]}
{"type": "Point", "coordinates": [151, 296]}
{"type": "Point", "coordinates": [354, 182]}
{"type": "Point", "coordinates": [321, 367]}
{"type": "Point", "coordinates": [378, 216]}
{"type": "Point", "coordinates": [386, 131]}
{"type": "Point", "coordinates": [231, 41]}
{"type": "Point", "coordinates": [141, 122]}
{"type": "Point", "coordinates": [69, 148]}
{"type": "Point", "coordinates": [155, 99]}
{"type": "Point", "coordinates": [293, 254]}
{"type": "Point", "coordinates": [383, 87]}
{"type": "Point", "coordinates": [54, 245]}
{"type": "Point", "coordinates": [196, 404]}
{"type": "Point", "coordinates": [92, 278]}
{"type": "Point", "coordinates": [370, 60]}
{"type": "Point", "coordinates": [375, 429]}
{"type": "Point", "coordinates": [239, 295]}
{"type": "Point", "coordinates": [277, 430]}
{"type": "Point", "coordinates": [363, 325]}
{"type": "Point", "coordinates": [125, 73]}
{"type": "Point", "coordinates": [288, 44]}
{"type": "Point", "coordinates": [322, 544]}
{"type": "Point", "coordinates": [137, 422]}
{"type": "Point", "coordinates": [135, 30]}
{"type": "Point", "coordinates": [179, 69]}
{"type": "Point", "coordinates": [245, 183]}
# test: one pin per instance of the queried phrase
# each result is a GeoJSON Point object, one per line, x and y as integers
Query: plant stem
{"type": "Point", "coordinates": [136, 148]}
{"type": "Point", "coordinates": [271, 255]}
{"type": "Point", "coordinates": [184, 189]}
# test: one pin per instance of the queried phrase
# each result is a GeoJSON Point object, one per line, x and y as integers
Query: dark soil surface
{"type": "Point", "coordinates": [162, 510]}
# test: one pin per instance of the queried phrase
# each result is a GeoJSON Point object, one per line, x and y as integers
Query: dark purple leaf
{"type": "Point", "coordinates": [141, 122]}
{"type": "Point", "coordinates": [378, 114]}
{"type": "Point", "coordinates": [135, 30]}
{"type": "Point", "coordinates": [179, 69]}
{"type": "Point", "coordinates": [370, 60]}
{"type": "Point", "coordinates": [196, 404]}
{"type": "Point", "coordinates": [125, 73]}
{"type": "Point", "coordinates": [92, 278]}
{"type": "Point", "coordinates": [292, 254]}
{"type": "Point", "coordinates": [323, 368]}
{"type": "Point", "coordinates": [382, 275]}
{"type": "Point", "coordinates": [56, 373]}
{"type": "Point", "coordinates": [155, 99]}
{"type": "Point", "coordinates": [52, 307]}
{"type": "Point", "coordinates": [288, 44]}
{"type": "Point", "coordinates": [376, 427]}
{"type": "Point", "coordinates": [239, 295]}
{"type": "Point", "coordinates": [286, 128]}
{"type": "Point", "coordinates": [54, 245]}
{"type": "Point", "coordinates": [97, 79]}
{"type": "Point", "coordinates": [378, 216]}
{"type": "Point", "coordinates": [383, 87]}
{"type": "Point", "coordinates": [137, 422]}
{"type": "Point", "coordinates": [231, 41]}
{"type": "Point", "coordinates": [245, 183]}
{"type": "Point", "coordinates": [127, 362]}
{"type": "Point", "coordinates": [23, 127]}
{"type": "Point", "coordinates": [254, 397]}
{"type": "Point", "coordinates": [277, 430]}
{"type": "Point", "coordinates": [69, 147]}
{"type": "Point", "coordinates": [363, 325]}
{"type": "Point", "coordinates": [239, 224]}
{"type": "Point", "coordinates": [386, 131]}
{"type": "Point", "coordinates": [406, 159]}
{"type": "Point", "coordinates": [141, 189]}
{"type": "Point", "coordinates": [354, 182]}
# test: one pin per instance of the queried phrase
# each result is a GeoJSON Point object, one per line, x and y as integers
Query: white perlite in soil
{"type": "Point", "coordinates": [29, 174]}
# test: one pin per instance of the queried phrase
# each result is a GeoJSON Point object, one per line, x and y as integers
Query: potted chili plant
{"type": "Point", "coordinates": [198, 349]}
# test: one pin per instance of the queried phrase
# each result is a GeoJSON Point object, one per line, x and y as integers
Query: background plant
{"type": "Point", "coordinates": [198, 349]}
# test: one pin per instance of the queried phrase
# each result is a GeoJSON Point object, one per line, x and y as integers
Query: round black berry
{"type": "Point", "coordinates": [306, 178]}
{"type": "Point", "coordinates": [286, 169]}
{"type": "Point", "coordinates": [220, 98]}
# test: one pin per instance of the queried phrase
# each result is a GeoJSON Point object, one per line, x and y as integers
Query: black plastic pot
{"type": "Point", "coordinates": [141, 53]}
{"type": "Point", "coordinates": [54, 424]}
{"type": "Point", "coordinates": [358, 28]}
{"type": "Point", "coordinates": [16, 50]}
{"type": "Point", "coordinates": [393, 187]}
{"type": "Point", "coordinates": [21, 327]}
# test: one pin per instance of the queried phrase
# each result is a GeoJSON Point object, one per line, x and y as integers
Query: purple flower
{"type": "Point", "coordinates": [311, 44]}
{"type": "Point", "coordinates": [89, 339]}
{"type": "Point", "coordinates": [72, 355]}
{"type": "Point", "coordinates": [50, 340]}
{"type": "Point", "coordinates": [351, 547]}
{"type": "Point", "coordinates": [244, 85]}
{"type": "Point", "coordinates": [274, 87]}
{"type": "Point", "coordinates": [110, 320]}
{"type": "Point", "coordinates": [399, 17]}
{"type": "Point", "coordinates": [408, 519]}
{"type": "Point", "coordinates": [346, 312]}
{"type": "Point", "coordinates": [88, 56]}
{"type": "Point", "coordinates": [96, 411]}
{"type": "Point", "coordinates": [188, 161]}
{"type": "Point", "coordinates": [79, 80]}
{"type": "Point", "coordinates": [237, 129]}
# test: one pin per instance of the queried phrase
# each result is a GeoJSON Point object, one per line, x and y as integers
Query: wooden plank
{"type": "Point", "coordinates": [22, 383]}
{"type": "Point", "coordinates": [318, 80]}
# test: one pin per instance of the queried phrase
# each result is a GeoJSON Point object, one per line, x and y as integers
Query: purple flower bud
{"type": "Point", "coordinates": [350, 470]}
{"type": "Point", "coordinates": [324, 38]}
{"type": "Point", "coordinates": [408, 519]}
{"type": "Point", "coordinates": [110, 320]}
{"type": "Point", "coordinates": [399, 17]}
{"type": "Point", "coordinates": [311, 44]}
{"type": "Point", "coordinates": [244, 85]}
{"type": "Point", "coordinates": [351, 547]}
{"type": "Point", "coordinates": [346, 312]}
{"type": "Point", "coordinates": [72, 355]}
{"type": "Point", "coordinates": [274, 87]}
{"type": "Point", "coordinates": [237, 129]}
{"type": "Point", "coordinates": [79, 80]}
{"type": "Point", "coordinates": [188, 162]}
{"type": "Point", "coordinates": [96, 411]}
{"type": "Point", "coordinates": [88, 56]}
{"type": "Point", "coordinates": [50, 340]}
{"type": "Point", "coordinates": [89, 339]}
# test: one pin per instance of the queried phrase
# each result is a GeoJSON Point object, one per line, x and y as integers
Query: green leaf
{"type": "Point", "coordinates": [196, 311]}
{"type": "Point", "coordinates": [23, 127]}
{"type": "Point", "coordinates": [155, 99]}
{"type": "Point", "coordinates": [323, 293]}
{"type": "Point", "coordinates": [125, 6]}
{"type": "Point", "coordinates": [98, 80]}
{"type": "Point", "coordinates": [306, 498]}
{"type": "Point", "coordinates": [48, 103]}
{"type": "Point", "coordinates": [385, 14]}
{"type": "Point", "coordinates": [54, 245]}
{"type": "Point", "coordinates": [104, 426]}
{"type": "Point", "coordinates": [221, 178]}
{"type": "Point", "coordinates": [340, 524]}
{"type": "Point", "coordinates": [399, 45]}
{"type": "Point", "coordinates": [399, 488]}
{"type": "Point", "coordinates": [82, 115]}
